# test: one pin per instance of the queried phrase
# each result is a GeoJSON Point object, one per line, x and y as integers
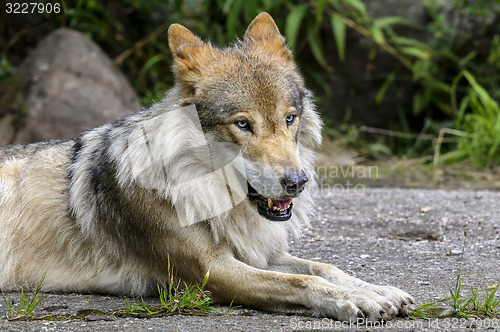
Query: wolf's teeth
{"type": "Point", "coordinates": [269, 202]}
{"type": "Point", "coordinates": [275, 208]}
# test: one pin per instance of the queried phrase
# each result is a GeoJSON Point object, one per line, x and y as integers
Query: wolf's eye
{"type": "Point", "coordinates": [243, 125]}
{"type": "Point", "coordinates": [290, 119]}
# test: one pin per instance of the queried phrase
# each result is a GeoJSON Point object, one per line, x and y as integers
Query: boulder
{"type": "Point", "coordinates": [65, 86]}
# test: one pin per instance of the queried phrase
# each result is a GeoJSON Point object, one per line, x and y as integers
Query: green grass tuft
{"type": "Point", "coordinates": [27, 303]}
{"type": "Point", "coordinates": [175, 298]}
{"type": "Point", "coordinates": [460, 305]}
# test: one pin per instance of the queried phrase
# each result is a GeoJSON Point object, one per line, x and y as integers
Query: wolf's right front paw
{"type": "Point", "coordinates": [372, 307]}
{"type": "Point", "coordinates": [357, 306]}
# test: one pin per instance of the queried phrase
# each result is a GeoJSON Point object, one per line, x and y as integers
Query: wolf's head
{"type": "Point", "coordinates": [253, 96]}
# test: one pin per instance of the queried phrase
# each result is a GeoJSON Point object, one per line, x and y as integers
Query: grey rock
{"type": "Point", "coordinates": [69, 85]}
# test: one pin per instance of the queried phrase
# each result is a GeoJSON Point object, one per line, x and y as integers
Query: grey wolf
{"type": "Point", "coordinates": [106, 212]}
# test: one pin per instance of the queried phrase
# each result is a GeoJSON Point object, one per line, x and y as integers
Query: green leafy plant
{"type": "Point", "coordinates": [27, 302]}
{"type": "Point", "coordinates": [466, 306]}
{"type": "Point", "coordinates": [459, 304]}
{"type": "Point", "coordinates": [419, 84]}
{"type": "Point", "coordinates": [175, 298]}
{"type": "Point", "coordinates": [479, 117]}
{"type": "Point", "coordinates": [6, 68]}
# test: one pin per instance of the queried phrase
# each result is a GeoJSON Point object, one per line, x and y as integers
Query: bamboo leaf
{"type": "Point", "coordinates": [319, 79]}
{"type": "Point", "coordinates": [293, 22]}
{"type": "Point", "coordinates": [464, 61]}
{"type": "Point", "coordinates": [486, 99]}
{"type": "Point", "coordinates": [390, 20]}
{"type": "Point", "coordinates": [378, 35]}
{"type": "Point", "coordinates": [453, 93]}
{"type": "Point", "coordinates": [338, 27]}
{"type": "Point", "coordinates": [314, 40]}
{"type": "Point", "coordinates": [400, 41]}
{"type": "Point", "coordinates": [416, 52]}
{"type": "Point", "coordinates": [383, 89]}
{"type": "Point", "coordinates": [149, 65]}
{"type": "Point", "coordinates": [358, 6]}
{"type": "Point", "coordinates": [227, 6]}
{"type": "Point", "coordinates": [232, 18]}
{"type": "Point", "coordinates": [320, 8]}
{"type": "Point", "coordinates": [418, 102]}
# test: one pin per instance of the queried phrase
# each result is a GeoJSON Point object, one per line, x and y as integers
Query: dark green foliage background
{"type": "Point", "coordinates": [420, 78]}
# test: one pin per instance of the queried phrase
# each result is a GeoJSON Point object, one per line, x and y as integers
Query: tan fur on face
{"type": "Point", "coordinates": [252, 76]}
{"type": "Point", "coordinates": [272, 142]}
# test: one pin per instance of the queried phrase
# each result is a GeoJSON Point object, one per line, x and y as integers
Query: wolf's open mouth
{"type": "Point", "coordinates": [271, 209]}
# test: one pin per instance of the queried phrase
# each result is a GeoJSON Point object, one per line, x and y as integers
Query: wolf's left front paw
{"type": "Point", "coordinates": [398, 298]}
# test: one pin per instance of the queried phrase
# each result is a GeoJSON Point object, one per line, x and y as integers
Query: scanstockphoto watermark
{"type": "Point", "coordinates": [411, 325]}
{"type": "Point", "coordinates": [328, 324]}
{"type": "Point", "coordinates": [346, 179]}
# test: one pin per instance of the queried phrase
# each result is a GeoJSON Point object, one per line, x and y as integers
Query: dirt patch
{"type": "Point", "coordinates": [341, 166]}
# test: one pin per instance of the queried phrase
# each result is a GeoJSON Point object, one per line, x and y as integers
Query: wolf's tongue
{"type": "Point", "coordinates": [282, 204]}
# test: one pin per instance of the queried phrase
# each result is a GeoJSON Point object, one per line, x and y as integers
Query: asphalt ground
{"type": "Point", "coordinates": [409, 238]}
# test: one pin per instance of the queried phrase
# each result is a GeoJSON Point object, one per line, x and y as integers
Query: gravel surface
{"type": "Point", "coordinates": [412, 239]}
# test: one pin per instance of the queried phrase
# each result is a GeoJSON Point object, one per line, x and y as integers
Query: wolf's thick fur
{"type": "Point", "coordinates": [107, 211]}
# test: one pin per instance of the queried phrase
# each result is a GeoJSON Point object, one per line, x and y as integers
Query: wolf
{"type": "Point", "coordinates": [214, 177]}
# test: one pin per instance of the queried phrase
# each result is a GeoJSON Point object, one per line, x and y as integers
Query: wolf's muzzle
{"type": "Point", "coordinates": [279, 209]}
{"type": "Point", "coordinates": [294, 183]}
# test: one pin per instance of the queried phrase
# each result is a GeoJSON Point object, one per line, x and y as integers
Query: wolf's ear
{"type": "Point", "coordinates": [265, 35]}
{"type": "Point", "coordinates": [263, 27]}
{"type": "Point", "coordinates": [182, 42]}
{"type": "Point", "coordinates": [190, 52]}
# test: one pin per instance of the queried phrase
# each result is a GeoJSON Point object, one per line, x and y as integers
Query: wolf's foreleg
{"type": "Point", "coordinates": [231, 280]}
{"type": "Point", "coordinates": [400, 301]}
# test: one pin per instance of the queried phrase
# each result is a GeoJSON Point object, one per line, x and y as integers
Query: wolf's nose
{"type": "Point", "coordinates": [294, 183]}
